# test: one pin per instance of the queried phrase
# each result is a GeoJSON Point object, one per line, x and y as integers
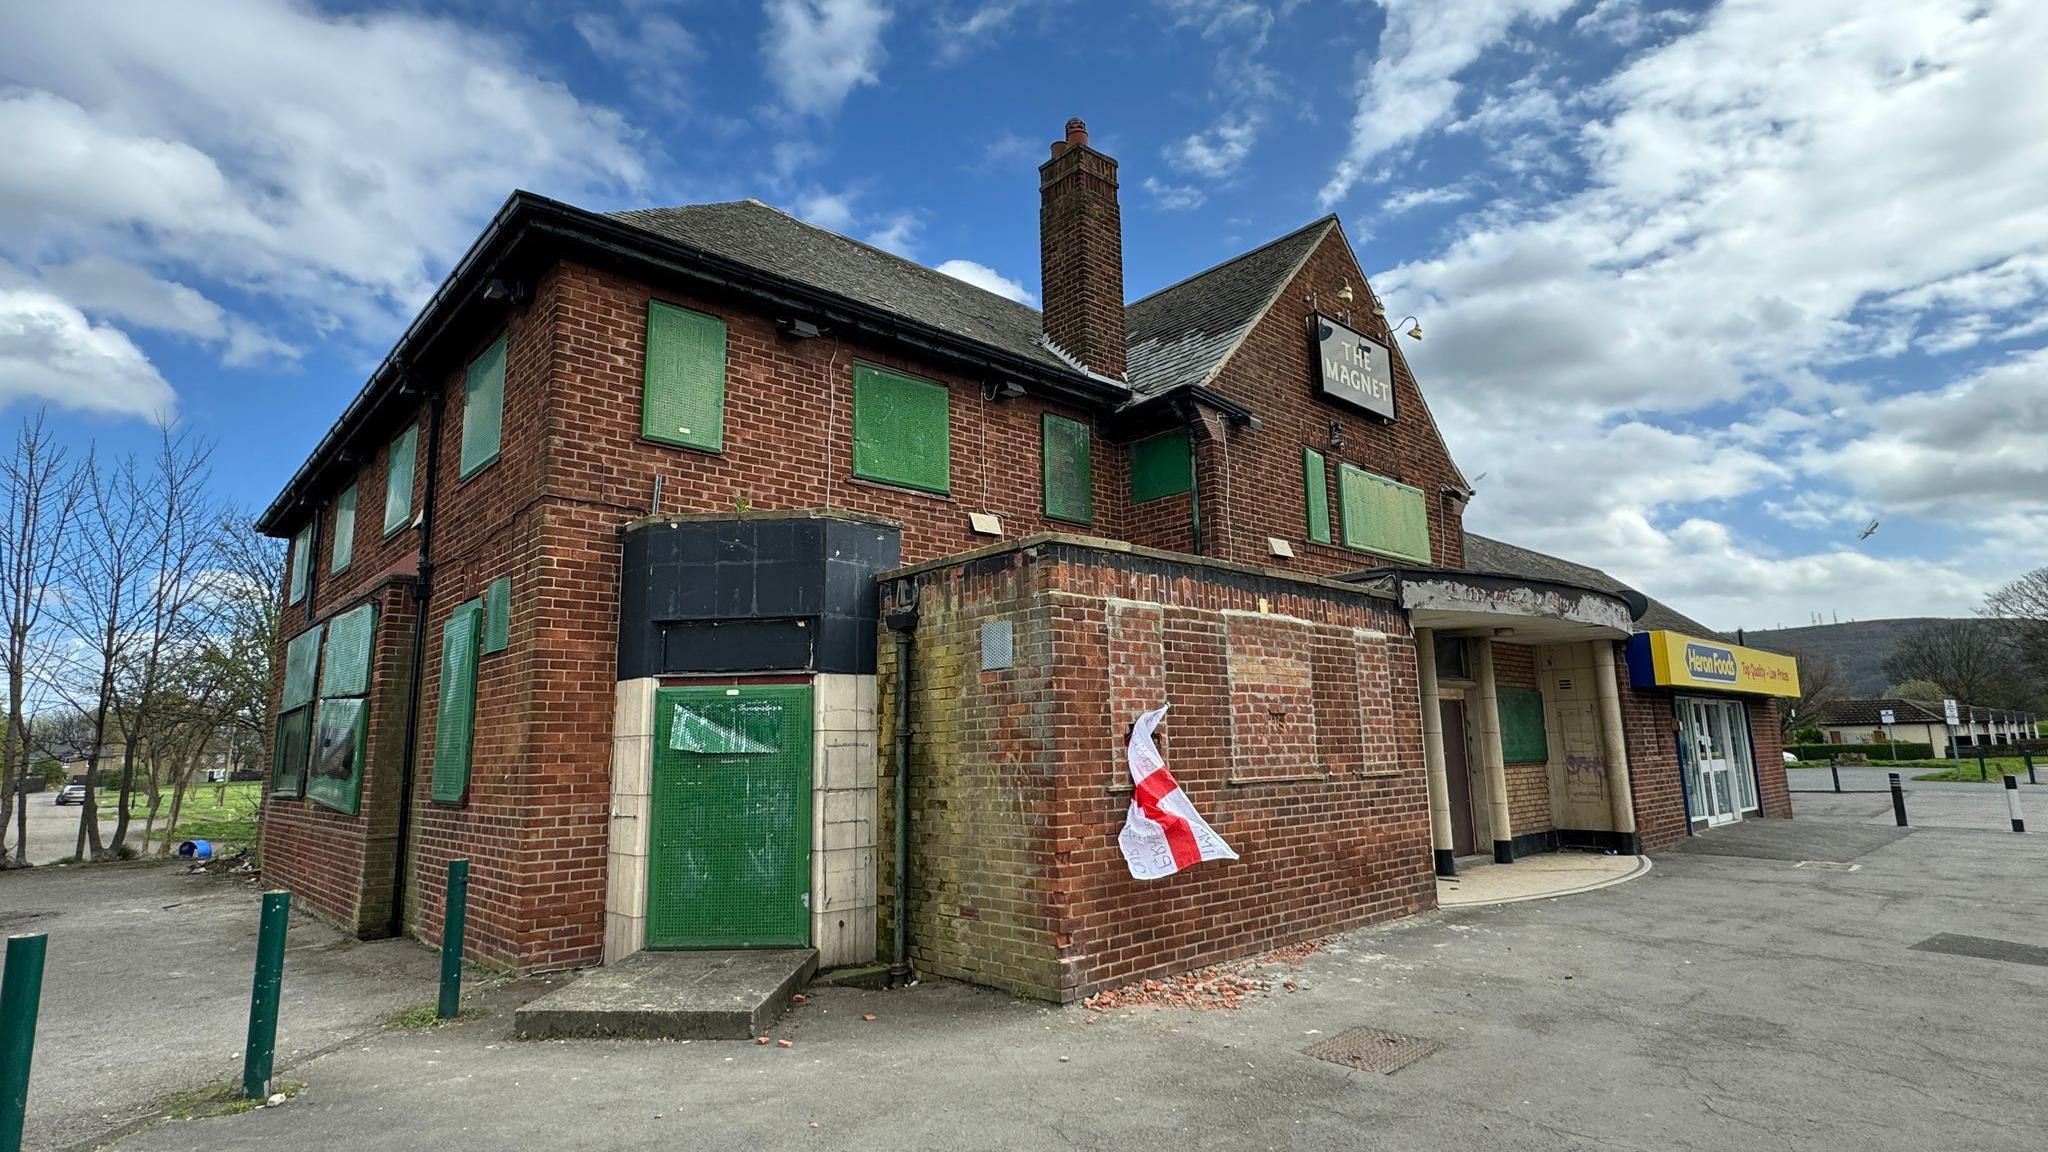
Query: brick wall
{"type": "Point", "coordinates": [1514, 666]}
{"type": "Point", "coordinates": [1025, 768]}
{"type": "Point", "coordinates": [1768, 741]}
{"type": "Point", "coordinates": [1657, 785]}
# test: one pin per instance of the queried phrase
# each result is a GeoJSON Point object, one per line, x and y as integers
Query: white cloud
{"type": "Point", "coordinates": [832, 211]}
{"type": "Point", "coordinates": [654, 51]}
{"type": "Point", "coordinates": [819, 51]}
{"type": "Point", "coordinates": [841, 212]}
{"type": "Point", "coordinates": [1773, 202]}
{"type": "Point", "coordinates": [1173, 197]}
{"type": "Point", "coordinates": [1409, 199]}
{"type": "Point", "coordinates": [1217, 154]}
{"type": "Point", "coordinates": [334, 165]}
{"type": "Point", "coordinates": [1412, 88]}
{"type": "Point", "coordinates": [1626, 22]}
{"type": "Point", "coordinates": [984, 277]}
{"type": "Point", "coordinates": [115, 290]}
{"type": "Point", "coordinates": [51, 354]}
{"type": "Point", "coordinates": [896, 232]}
{"type": "Point", "coordinates": [962, 33]}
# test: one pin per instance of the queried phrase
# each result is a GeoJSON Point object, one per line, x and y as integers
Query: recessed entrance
{"type": "Point", "coordinates": [729, 829]}
{"type": "Point", "coordinates": [1458, 778]}
{"type": "Point", "coordinates": [1719, 763]}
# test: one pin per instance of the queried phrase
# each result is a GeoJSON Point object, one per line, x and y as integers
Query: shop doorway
{"type": "Point", "coordinates": [1723, 771]}
{"type": "Point", "coordinates": [1458, 777]}
{"type": "Point", "coordinates": [729, 826]}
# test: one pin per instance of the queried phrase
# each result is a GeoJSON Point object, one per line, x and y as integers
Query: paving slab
{"type": "Point", "coordinates": [1835, 841]}
{"type": "Point", "coordinates": [673, 996]}
{"type": "Point", "coordinates": [1544, 876]}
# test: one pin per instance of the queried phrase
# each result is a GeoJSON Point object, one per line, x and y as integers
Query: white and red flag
{"type": "Point", "coordinates": [1162, 834]}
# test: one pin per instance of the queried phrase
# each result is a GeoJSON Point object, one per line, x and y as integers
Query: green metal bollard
{"type": "Point", "coordinates": [455, 911]}
{"type": "Point", "coordinates": [262, 1047]}
{"type": "Point", "coordinates": [20, 993]}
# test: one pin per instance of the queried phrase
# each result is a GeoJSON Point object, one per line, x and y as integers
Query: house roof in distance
{"type": "Point", "coordinates": [1869, 713]}
{"type": "Point", "coordinates": [1485, 554]}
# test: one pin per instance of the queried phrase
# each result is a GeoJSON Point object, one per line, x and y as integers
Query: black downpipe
{"type": "Point", "coordinates": [902, 621]}
{"type": "Point", "coordinates": [423, 593]}
{"type": "Point", "coordinates": [1193, 417]}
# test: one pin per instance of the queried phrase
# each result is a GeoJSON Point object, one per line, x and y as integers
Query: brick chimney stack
{"type": "Point", "coordinates": [1081, 253]}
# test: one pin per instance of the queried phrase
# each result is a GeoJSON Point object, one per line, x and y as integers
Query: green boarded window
{"type": "Point", "coordinates": [455, 717]}
{"type": "Point", "coordinates": [1159, 466]}
{"type": "Point", "coordinates": [301, 665]}
{"type": "Point", "coordinates": [350, 637]}
{"type": "Point", "coordinates": [498, 615]}
{"type": "Point", "coordinates": [483, 409]}
{"type": "Point", "coordinates": [902, 431]}
{"type": "Point", "coordinates": [398, 468]}
{"type": "Point", "coordinates": [1382, 516]}
{"type": "Point", "coordinates": [288, 755]}
{"type": "Point", "coordinates": [344, 529]}
{"type": "Point", "coordinates": [335, 775]}
{"type": "Point", "coordinates": [1069, 470]}
{"type": "Point", "coordinates": [302, 561]}
{"type": "Point", "coordinates": [1522, 738]}
{"type": "Point", "coordinates": [1315, 480]}
{"type": "Point", "coordinates": [683, 400]}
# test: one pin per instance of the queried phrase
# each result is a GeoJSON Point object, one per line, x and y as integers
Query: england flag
{"type": "Point", "coordinates": [1162, 834]}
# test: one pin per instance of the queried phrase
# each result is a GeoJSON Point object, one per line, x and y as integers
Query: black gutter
{"type": "Point", "coordinates": [525, 213]}
{"type": "Point", "coordinates": [423, 595]}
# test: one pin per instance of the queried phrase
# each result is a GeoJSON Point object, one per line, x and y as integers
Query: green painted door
{"type": "Point", "coordinates": [729, 837]}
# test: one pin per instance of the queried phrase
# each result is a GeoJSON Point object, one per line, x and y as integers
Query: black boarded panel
{"type": "Point", "coordinates": [697, 646]}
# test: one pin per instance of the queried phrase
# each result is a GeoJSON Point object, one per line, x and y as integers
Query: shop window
{"type": "Point", "coordinates": [1069, 470]}
{"type": "Point", "coordinates": [398, 466]}
{"type": "Point", "coordinates": [1160, 466]}
{"type": "Point", "coordinates": [902, 430]}
{"type": "Point", "coordinates": [302, 561]}
{"type": "Point", "coordinates": [295, 714]}
{"type": "Point", "coordinates": [335, 774]}
{"type": "Point", "coordinates": [455, 715]}
{"type": "Point", "coordinates": [498, 615]}
{"type": "Point", "coordinates": [1315, 482]}
{"type": "Point", "coordinates": [483, 409]}
{"type": "Point", "coordinates": [1522, 736]}
{"type": "Point", "coordinates": [344, 530]}
{"type": "Point", "coordinates": [682, 399]}
{"type": "Point", "coordinates": [1382, 515]}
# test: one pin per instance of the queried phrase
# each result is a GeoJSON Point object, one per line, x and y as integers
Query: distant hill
{"type": "Point", "coordinates": [1859, 646]}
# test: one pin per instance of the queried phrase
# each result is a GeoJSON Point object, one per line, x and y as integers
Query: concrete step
{"type": "Point", "coordinates": [673, 996]}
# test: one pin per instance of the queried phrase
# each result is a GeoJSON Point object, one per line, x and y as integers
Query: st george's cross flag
{"type": "Point", "coordinates": [1162, 834]}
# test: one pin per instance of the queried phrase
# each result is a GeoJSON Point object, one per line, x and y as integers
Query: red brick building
{"type": "Point", "coordinates": [609, 578]}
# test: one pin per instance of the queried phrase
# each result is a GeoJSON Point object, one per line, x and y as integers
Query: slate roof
{"type": "Point", "coordinates": [1179, 335]}
{"type": "Point", "coordinates": [1865, 713]}
{"type": "Point", "coordinates": [751, 233]}
{"type": "Point", "coordinates": [1182, 334]}
{"type": "Point", "coordinates": [1485, 554]}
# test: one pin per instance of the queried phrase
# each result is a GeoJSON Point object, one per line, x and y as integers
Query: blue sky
{"type": "Point", "coordinates": [1706, 286]}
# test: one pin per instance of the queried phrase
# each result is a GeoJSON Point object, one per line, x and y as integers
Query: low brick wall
{"type": "Point", "coordinates": [1295, 729]}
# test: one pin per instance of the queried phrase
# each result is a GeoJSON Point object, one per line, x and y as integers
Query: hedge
{"type": "Point", "coordinates": [1821, 752]}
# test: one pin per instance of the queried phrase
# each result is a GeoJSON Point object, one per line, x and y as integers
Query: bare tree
{"type": "Point", "coordinates": [102, 607]}
{"type": "Point", "coordinates": [1820, 681]}
{"type": "Point", "coordinates": [242, 643]}
{"type": "Point", "coordinates": [173, 599]}
{"type": "Point", "coordinates": [1968, 658]}
{"type": "Point", "coordinates": [2022, 607]}
{"type": "Point", "coordinates": [41, 503]}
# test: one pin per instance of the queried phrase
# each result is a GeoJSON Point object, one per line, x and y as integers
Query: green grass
{"type": "Point", "coordinates": [223, 1099]}
{"type": "Point", "coordinates": [420, 1017]}
{"type": "Point", "coordinates": [224, 816]}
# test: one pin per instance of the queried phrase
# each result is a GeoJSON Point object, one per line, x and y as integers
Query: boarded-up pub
{"type": "Point", "coordinates": [707, 580]}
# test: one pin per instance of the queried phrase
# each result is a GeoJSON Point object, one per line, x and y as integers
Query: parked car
{"type": "Point", "coordinates": [1790, 758]}
{"type": "Point", "coordinates": [71, 794]}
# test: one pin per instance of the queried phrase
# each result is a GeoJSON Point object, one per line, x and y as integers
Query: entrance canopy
{"type": "Point", "coordinates": [1454, 601]}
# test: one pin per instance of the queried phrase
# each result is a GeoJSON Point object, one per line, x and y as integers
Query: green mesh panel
{"type": "Point", "coordinates": [498, 615]}
{"type": "Point", "coordinates": [1315, 481]}
{"type": "Point", "coordinates": [398, 468]}
{"type": "Point", "coordinates": [1159, 466]}
{"type": "Point", "coordinates": [683, 398]}
{"type": "Point", "coordinates": [350, 637]}
{"type": "Point", "coordinates": [344, 530]}
{"type": "Point", "coordinates": [729, 831]}
{"type": "Point", "coordinates": [336, 776]}
{"type": "Point", "coordinates": [1069, 470]}
{"type": "Point", "coordinates": [302, 564]}
{"type": "Point", "coordinates": [1382, 516]}
{"type": "Point", "coordinates": [901, 430]}
{"type": "Point", "coordinates": [483, 408]}
{"type": "Point", "coordinates": [301, 666]}
{"type": "Point", "coordinates": [1522, 737]}
{"type": "Point", "coordinates": [455, 716]}
{"type": "Point", "coordinates": [288, 754]}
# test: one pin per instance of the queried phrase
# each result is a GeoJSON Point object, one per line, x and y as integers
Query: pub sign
{"type": "Point", "coordinates": [1353, 367]}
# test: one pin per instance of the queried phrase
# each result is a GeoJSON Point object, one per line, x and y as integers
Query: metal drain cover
{"type": "Point", "coordinates": [1372, 1050]}
{"type": "Point", "coordinates": [1828, 865]}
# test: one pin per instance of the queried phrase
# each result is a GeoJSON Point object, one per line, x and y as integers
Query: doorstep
{"type": "Point", "coordinates": [1539, 877]}
{"type": "Point", "coordinates": [672, 996]}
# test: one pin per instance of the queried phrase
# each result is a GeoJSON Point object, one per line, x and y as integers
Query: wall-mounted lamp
{"type": "Point", "coordinates": [1336, 434]}
{"type": "Point", "coordinates": [1344, 292]}
{"type": "Point", "coordinates": [1003, 390]}
{"type": "Point", "coordinates": [1414, 333]}
{"type": "Point", "coordinates": [505, 291]}
{"type": "Point", "coordinates": [797, 329]}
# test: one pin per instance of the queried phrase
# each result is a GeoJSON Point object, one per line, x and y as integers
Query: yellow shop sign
{"type": "Point", "coordinates": [1674, 660]}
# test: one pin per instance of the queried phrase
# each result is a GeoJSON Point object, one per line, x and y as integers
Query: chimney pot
{"type": "Point", "coordinates": [1077, 132]}
{"type": "Point", "coordinates": [1058, 146]}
